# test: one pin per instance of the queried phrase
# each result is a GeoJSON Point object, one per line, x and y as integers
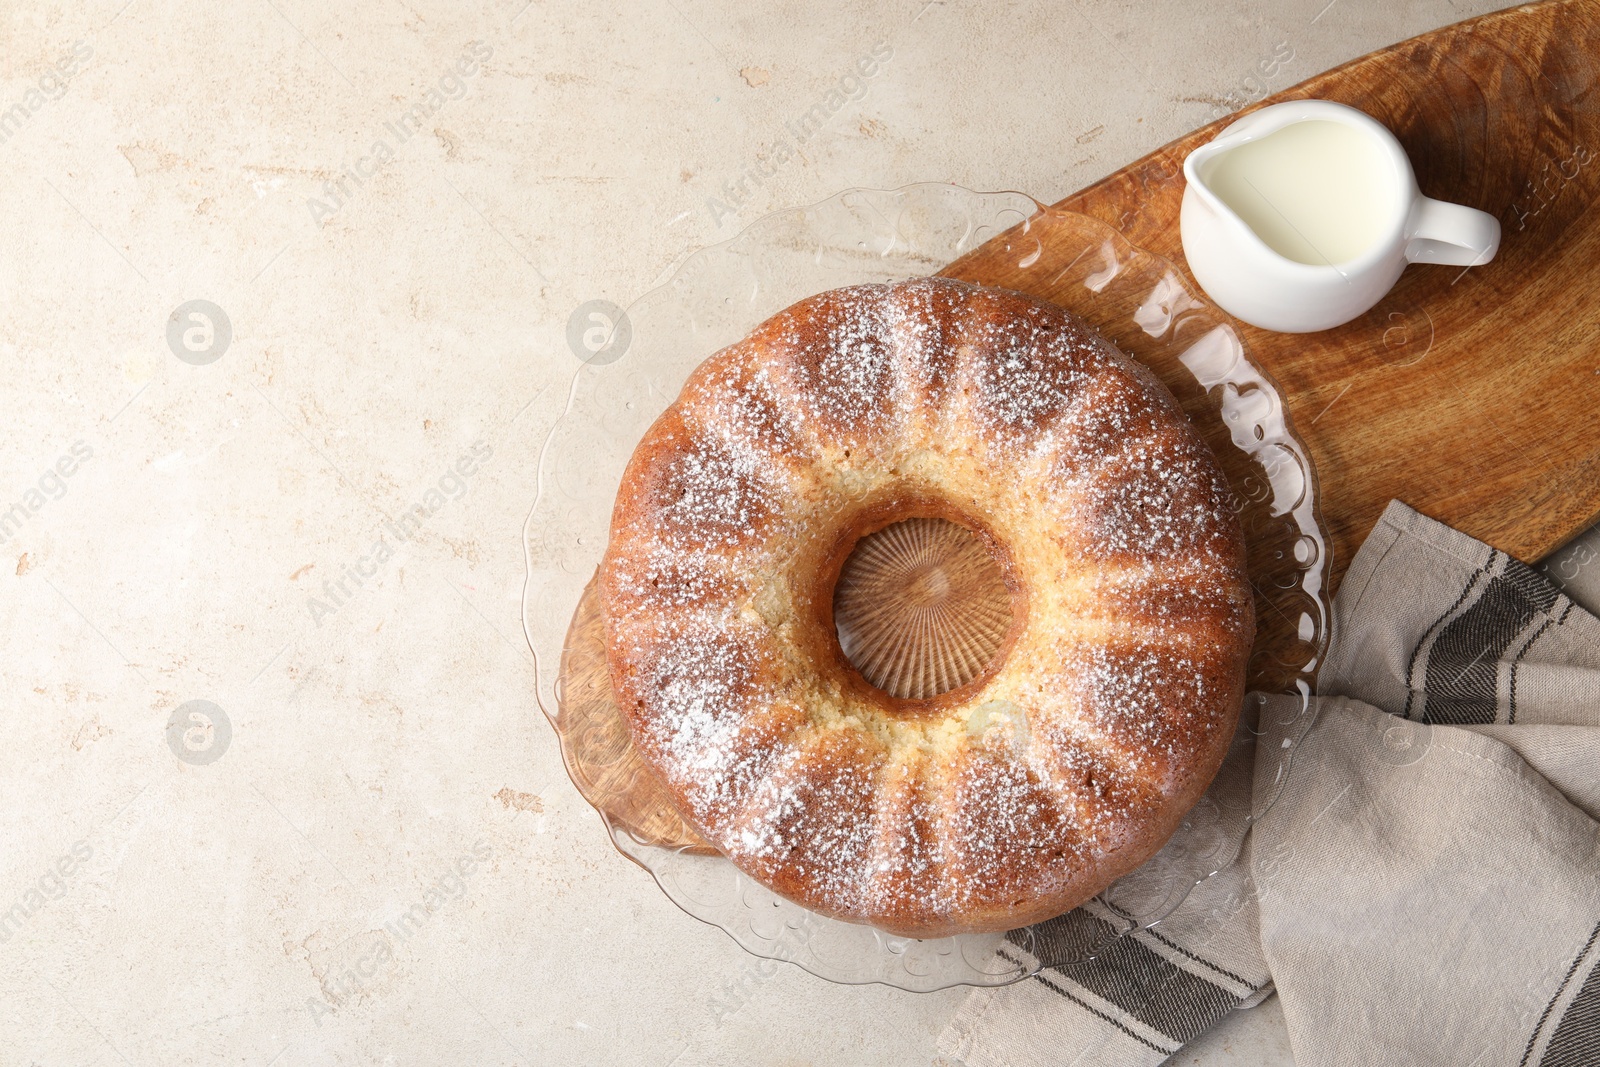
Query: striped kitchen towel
{"type": "Point", "coordinates": [1426, 887]}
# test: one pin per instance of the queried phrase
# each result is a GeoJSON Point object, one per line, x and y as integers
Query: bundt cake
{"type": "Point", "coordinates": [1073, 713]}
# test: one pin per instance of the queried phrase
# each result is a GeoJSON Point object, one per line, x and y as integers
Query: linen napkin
{"type": "Point", "coordinates": [1426, 887]}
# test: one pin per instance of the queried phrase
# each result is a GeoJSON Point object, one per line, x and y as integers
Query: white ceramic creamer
{"type": "Point", "coordinates": [1302, 215]}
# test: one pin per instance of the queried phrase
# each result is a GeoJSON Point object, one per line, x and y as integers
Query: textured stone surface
{"type": "Point", "coordinates": [384, 750]}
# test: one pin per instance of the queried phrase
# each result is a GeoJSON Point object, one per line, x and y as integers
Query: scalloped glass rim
{"type": "Point", "coordinates": [713, 299]}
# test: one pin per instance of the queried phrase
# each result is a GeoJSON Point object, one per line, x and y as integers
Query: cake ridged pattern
{"type": "Point", "coordinates": [1021, 792]}
{"type": "Point", "coordinates": [921, 608]}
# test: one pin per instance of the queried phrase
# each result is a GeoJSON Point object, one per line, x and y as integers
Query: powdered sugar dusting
{"type": "Point", "coordinates": [1149, 503]}
{"type": "Point", "coordinates": [997, 805]}
{"type": "Point", "coordinates": [714, 494]}
{"type": "Point", "coordinates": [1032, 372]}
{"type": "Point", "coordinates": [839, 366]}
{"type": "Point", "coordinates": [715, 723]}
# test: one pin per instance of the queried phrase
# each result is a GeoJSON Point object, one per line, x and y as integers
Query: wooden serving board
{"type": "Point", "coordinates": [1473, 396]}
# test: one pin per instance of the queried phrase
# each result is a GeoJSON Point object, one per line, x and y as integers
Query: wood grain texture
{"type": "Point", "coordinates": [1473, 396]}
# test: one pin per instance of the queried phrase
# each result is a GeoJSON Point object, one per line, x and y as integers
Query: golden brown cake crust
{"type": "Point", "coordinates": [1010, 799]}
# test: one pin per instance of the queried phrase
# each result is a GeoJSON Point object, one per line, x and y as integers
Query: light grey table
{"type": "Point", "coordinates": [193, 512]}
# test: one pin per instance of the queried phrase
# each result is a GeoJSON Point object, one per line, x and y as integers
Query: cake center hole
{"type": "Point", "coordinates": [921, 608]}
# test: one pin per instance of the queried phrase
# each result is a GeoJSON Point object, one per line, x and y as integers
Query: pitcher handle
{"type": "Point", "coordinates": [1441, 232]}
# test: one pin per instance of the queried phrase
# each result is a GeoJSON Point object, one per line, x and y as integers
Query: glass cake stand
{"type": "Point", "coordinates": [1133, 297]}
